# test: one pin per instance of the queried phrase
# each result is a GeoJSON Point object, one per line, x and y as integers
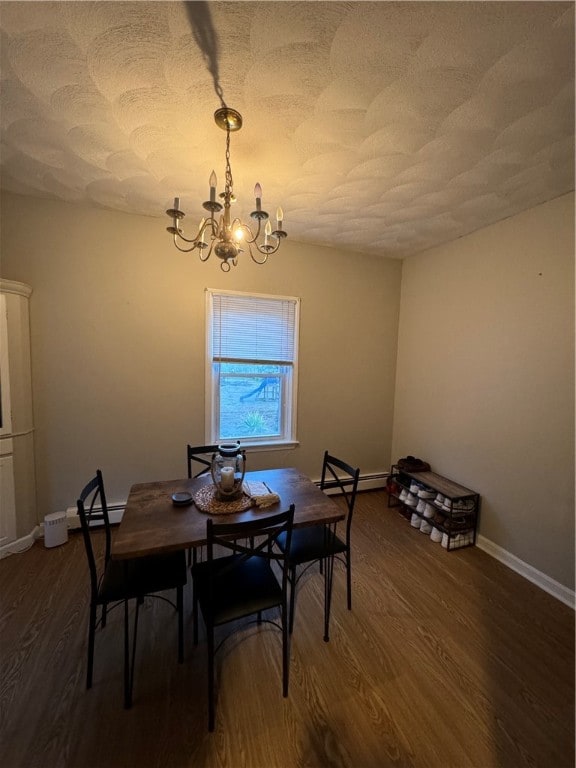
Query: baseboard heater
{"type": "Point", "coordinates": [366, 482]}
{"type": "Point", "coordinates": [115, 512]}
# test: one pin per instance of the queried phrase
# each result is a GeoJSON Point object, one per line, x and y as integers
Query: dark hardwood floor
{"type": "Point", "coordinates": [447, 659]}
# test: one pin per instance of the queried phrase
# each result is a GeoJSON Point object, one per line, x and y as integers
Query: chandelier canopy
{"type": "Point", "coordinates": [226, 235]}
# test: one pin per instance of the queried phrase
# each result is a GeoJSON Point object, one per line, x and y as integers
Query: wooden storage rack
{"type": "Point", "coordinates": [457, 520]}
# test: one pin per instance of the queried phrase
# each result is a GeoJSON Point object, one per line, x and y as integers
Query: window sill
{"type": "Point", "coordinates": [262, 447]}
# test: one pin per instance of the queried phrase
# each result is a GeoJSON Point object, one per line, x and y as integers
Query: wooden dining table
{"type": "Point", "coordinates": [152, 524]}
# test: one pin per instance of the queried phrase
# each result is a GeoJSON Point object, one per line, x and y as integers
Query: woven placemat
{"type": "Point", "coordinates": [206, 501]}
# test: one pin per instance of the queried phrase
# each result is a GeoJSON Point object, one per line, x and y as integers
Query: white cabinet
{"type": "Point", "coordinates": [17, 477]}
{"type": "Point", "coordinates": [7, 501]}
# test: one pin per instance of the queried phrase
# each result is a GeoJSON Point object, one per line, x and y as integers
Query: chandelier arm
{"type": "Point", "coordinates": [245, 229]}
{"type": "Point", "coordinates": [202, 228]}
{"type": "Point", "coordinates": [257, 261]}
{"type": "Point", "coordinates": [253, 237]}
{"type": "Point", "coordinates": [185, 239]}
{"type": "Point", "coordinates": [267, 249]}
{"type": "Point", "coordinates": [185, 250]}
{"type": "Point", "coordinates": [205, 258]}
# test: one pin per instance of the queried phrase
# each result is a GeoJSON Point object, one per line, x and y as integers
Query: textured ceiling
{"type": "Point", "coordinates": [383, 127]}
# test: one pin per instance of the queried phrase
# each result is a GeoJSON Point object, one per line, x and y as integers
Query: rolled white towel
{"type": "Point", "coordinates": [260, 494]}
{"type": "Point", "coordinates": [267, 501]}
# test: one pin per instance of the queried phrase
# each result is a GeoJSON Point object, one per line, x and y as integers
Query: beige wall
{"type": "Point", "coordinates": [484, 387]}
{"type": "Point", "coordinates": [117, 324]}
{"type": "Point", "coordinates": [485, 377]}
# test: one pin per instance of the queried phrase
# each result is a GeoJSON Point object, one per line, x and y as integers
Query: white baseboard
{"type": "Point", "coordinates": [554, 588]}
{"type": "Point", "coordinates": [20, 545]}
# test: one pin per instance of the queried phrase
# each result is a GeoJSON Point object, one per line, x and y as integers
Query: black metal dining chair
{"type": "Point", "coordinates": [202, 455]}
{"type": "Point", "coordinates": [116, 582]}
{"type": "Point", "coordinates": [320, 543]}
{"type": "Point", "coordinates": [243, 583]}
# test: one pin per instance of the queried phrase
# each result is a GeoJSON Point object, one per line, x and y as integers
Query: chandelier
{"type": "Point", "coordinates": [226, 235]}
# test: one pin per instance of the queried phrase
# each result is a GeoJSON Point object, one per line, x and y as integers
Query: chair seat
{"type": "Point", "coordinates": [247, 588]}
{"type": "Point", "coordinates": [312, 543]}
{"type": "Point", "coordinates": [125, 579]}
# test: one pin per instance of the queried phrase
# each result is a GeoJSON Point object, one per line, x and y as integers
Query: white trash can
{"type": "Point", "coordinates": [55, 529]}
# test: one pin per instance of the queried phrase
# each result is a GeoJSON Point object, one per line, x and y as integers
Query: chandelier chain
{"type": "Point", "coordinates": [229, 182]}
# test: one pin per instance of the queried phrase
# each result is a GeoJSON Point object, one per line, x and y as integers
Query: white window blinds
{"type": "Point", "coordinates": [253, 328]}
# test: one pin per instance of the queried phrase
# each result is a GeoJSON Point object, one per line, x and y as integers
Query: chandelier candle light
{"type": "Point", "coordinates": [225, 236]}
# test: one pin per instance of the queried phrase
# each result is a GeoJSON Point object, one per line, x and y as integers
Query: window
{"type": "Point", "coordinates": [252, 353]}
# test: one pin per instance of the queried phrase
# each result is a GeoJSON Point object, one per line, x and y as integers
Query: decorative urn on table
{"type": "Point", "coordinates": [228, 468]}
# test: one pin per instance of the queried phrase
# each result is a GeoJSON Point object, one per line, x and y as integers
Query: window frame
{"type": "Point", "coordinates": [288, 380]}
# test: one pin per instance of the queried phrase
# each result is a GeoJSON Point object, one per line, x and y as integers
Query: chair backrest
{"type": "Point", "coordinates": [201, 454]}
{"type": "Point", "coordinates": [338, 474]}
{"type": "Point", "coordinates": [253, 538]}
{"type": "Point", "coordinates": [92, 508]}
